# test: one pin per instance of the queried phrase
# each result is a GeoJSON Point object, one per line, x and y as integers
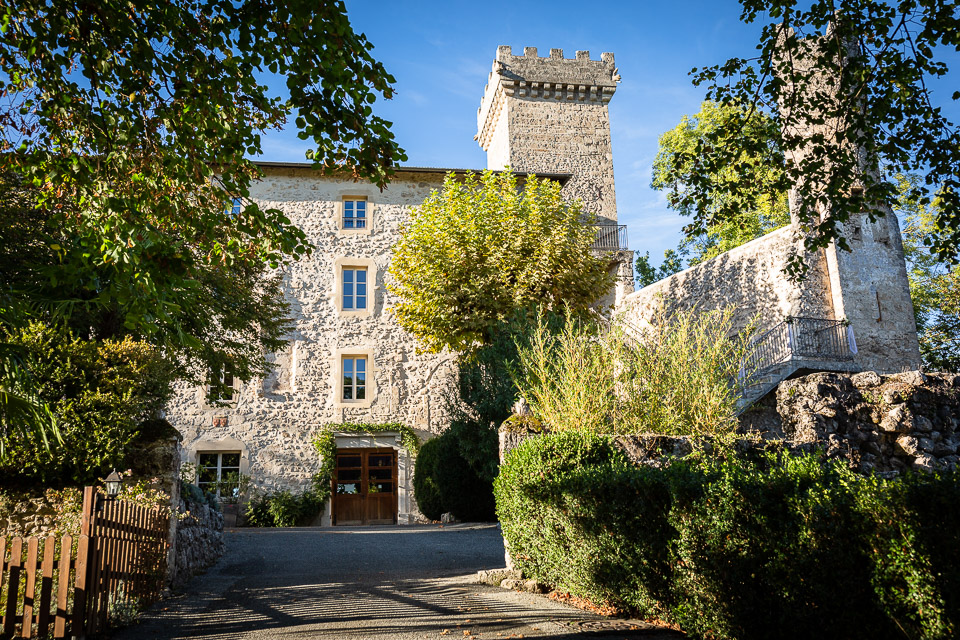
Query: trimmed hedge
{"type": "Point", "coordinates": [773, 547]}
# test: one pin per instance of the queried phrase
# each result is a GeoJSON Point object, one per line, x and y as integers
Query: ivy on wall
{"type": "Point", "coordinates": [326, 444]}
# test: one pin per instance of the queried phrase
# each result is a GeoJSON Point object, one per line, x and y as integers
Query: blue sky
{"type": "Point", "coordinates": [441, 53]}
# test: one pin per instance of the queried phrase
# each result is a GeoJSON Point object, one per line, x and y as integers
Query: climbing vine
{"type": "Point", "coordinates": [326, 444]}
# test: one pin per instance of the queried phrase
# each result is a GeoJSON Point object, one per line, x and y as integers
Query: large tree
{"type": "Point", "coordinates": [752, 186]}
{"type": "Point", "coordinates": [934, 284]}
{"type": "Point", "coordinates": [481, 249]}
{"type": "Point", "coordinates": [126, 129]}
{"type": "Point", "coordinates": [866, 83]}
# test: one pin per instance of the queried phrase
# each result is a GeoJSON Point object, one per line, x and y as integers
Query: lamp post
{"type": "Point", "coordinates": [113, 484]}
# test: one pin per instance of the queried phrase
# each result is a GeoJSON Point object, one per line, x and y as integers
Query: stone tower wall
{"type": "Point", "coordinates": [749, 278]}
{"type": "Point", "coordinates": [869, 283]}
{"type": "Point", "coordinates": [549, 115]}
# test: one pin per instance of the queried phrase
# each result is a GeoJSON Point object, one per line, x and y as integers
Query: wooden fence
{"type": "Point", "coordinates": [67, 587]}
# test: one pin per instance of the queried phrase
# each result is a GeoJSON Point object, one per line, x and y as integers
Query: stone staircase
{"type": "Point", "coordinates": [808, 344]}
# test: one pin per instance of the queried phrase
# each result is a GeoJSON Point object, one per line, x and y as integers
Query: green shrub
{"type": "Point", "coordinates": [102, 393]}
{"type": "Point", "coordinates": [463, 492]}
{"type": "Point", "coordinates": [672, 378]}
{"type": "Point", "coordinates": [444, 482]}
{"type": "Point", "coordinates": [425, 490]}
{"type": "Point", "coordinates": [776, 547]}
{"type": "Point", "coordinates": [285, 508]}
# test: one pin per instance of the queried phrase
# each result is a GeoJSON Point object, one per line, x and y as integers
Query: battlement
{"type": "Point", "coordinates": [553, 78]}
{"type": "Point", "coordinates": [548, 114]}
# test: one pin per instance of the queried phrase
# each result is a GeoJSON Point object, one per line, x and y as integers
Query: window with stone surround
{"type": "Point", "coordinates": [354, 214]}
{"type": "Point", "coordinates": [218, 473]}
{"type": "Point", "coordinates": [354, 370]}
{"type": "Point", "coordinates": [220, 385]}
{"type": "Point", "coordinates": [354, 286]}
{"type": "Point", "coordinates": [354, 377]}
{"type": "Point", "coordinates": [354, 289]}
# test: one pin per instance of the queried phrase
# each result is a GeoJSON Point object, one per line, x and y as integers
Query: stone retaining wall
{"type": "Point", "coordinates": [199, 541]}
{"type": "Point", "coordinates": [881, 423]}
{"type": "Point", "coordinates": [40, 513]}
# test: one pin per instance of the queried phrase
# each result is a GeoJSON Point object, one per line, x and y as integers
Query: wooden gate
{"type": "Point", "coordinates": [66, 587]}
{"type": "Point", "coordinates": [365, 487]}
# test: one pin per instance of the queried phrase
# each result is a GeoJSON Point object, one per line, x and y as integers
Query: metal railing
{"type": "Point", "coordinates": [799, 338]}
{"type": "Point", "coordinates": [610, 237]}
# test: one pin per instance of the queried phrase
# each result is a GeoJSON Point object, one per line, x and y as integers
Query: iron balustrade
{"type": "Point", "coordinates": [610, 237]}
{"type": "Point", "coordinates": [799, 338]}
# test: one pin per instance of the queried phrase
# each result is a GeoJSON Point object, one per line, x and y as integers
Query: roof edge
{"type": "Point", "coordinates": [562, 178]}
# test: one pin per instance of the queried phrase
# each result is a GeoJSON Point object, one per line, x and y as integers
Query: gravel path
{"type": "Point", "coordinates": [399, 583]}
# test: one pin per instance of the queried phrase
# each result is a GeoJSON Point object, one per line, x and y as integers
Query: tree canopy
{"type": "Point", "coordinates": [865, 83]}
{"type": "Point", "coordinates": [483, 247]}
{"type": "Point", "coordinates": [126, 130]}
{"type": "Point", "coordinates": [751, 186]}
{"type": "Point", "coordinates": [934, 284]}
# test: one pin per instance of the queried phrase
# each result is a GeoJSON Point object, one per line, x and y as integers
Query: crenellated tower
{"type": "Point", "coordinates": [549, 115]}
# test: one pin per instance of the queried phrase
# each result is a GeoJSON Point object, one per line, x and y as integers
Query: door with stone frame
{"type": "Point", "coordinates": [365, 487]}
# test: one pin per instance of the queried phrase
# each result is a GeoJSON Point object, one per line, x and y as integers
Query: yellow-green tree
{"type": "Point", "coordinates": [485, 246]}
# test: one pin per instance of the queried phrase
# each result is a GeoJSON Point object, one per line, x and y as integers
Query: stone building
{"type": "Point", "coordinates": [347, 360]}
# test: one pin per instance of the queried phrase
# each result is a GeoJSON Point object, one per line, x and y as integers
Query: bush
{"type": "Point", "coordinates": [285, 508]}
{"type": "Point", "coordinates": [463, 492]}
{"type": "Point", "coordinates": [677, 377]}
{"type": "Point", "coordinates": [102, 395]}
{"type": "Point", "coordinates": [777, 547]}
{"type": "Point", "coordinates": [444, 482]}
{"type": "Point", "coordinates": [425, 489]}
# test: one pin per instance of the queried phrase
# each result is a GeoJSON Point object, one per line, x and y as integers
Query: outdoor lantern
{"type": "Point", "coordinates": [113, 484]}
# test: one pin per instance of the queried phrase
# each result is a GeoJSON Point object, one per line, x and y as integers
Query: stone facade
{"type": "Point", "coordinates": [271, 421]}
{"type": "Point", "coordinates": [555, 123]}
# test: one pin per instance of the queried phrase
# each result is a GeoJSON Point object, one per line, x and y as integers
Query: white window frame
{"type": "Point", "coordinates": [354, 263]}
{"type": "Point", "coordinates": [220, 468]}
{"type": "Point", "coordinates": [342, 209]}
{"type": "Point", "coordinates": [351, 368]}
{"type": "Point", "coordinates": [350, 277]}
{"type": "Point", "coordinates": [370, 386]}
{"type": "Point", "coordinates": [222, 374]}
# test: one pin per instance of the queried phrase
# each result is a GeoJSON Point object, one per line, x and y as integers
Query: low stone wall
{"type": "Point", "coordinates": [40, 513]}
{"type": "Point", "coordinates": [876, 423]}
{"type": "Point", "coordinates": [199, 541]}
{"type": "Point", "coordinates": [881, 423]}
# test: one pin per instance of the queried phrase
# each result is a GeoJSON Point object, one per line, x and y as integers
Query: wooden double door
{"type": "Point", "coordinates": [365, 487]}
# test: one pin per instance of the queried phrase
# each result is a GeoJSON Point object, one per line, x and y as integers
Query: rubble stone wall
{"type": "Point", "coordinates": [877, 423]}
{"type": "Point", "coordinates": [199, 541]}
{"type": "Point", "coordinates": [749, 278]}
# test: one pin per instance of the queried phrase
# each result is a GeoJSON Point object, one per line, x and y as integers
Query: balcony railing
{"type": "Point", "coordinates": [610, 237]}
{"type": "Point", "coordinates": [800, 339]}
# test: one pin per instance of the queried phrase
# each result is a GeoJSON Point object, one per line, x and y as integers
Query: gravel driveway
{"type": "Point", "coordinates": [365, 582]}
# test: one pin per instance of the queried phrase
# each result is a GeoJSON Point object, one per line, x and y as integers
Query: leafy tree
{"type": "Point", "coordinates": [475, 252]}
{"type": "Point", "coordinates": [125, 129]}
{"type": "Point", "coordinates": [874, 108]}
{"type": "Point", "coordinates": [102, 394]}
{"type": "Point", "coordinates": [934, 285]}
{"type": "Point", "coordinates": [751, 186]}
